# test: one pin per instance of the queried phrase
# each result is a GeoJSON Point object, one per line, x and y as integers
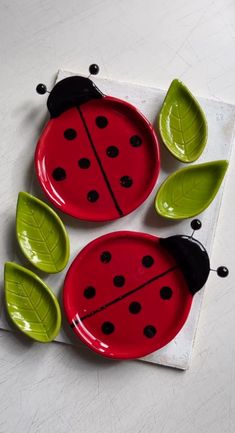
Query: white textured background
{"type": "Point", "coordinates": [54, 388]}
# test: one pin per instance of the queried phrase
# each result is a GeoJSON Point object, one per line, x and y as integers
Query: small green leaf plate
{"type": "Point", "coordinates": [190, 190]}
{"type": "Point", "coordinates": [31, 305]}
{"type": "Point", "coordinates": [182, 123]}
{"type": "Point", "coordinates": [41, 234]}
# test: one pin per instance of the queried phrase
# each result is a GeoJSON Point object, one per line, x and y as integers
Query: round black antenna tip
{"type": "Point", "coordinates": [222, 271]}
{"type": "Point", "coordinates": [196, 224]}
{"type": "Point", "coordinates": [94, 69]}
{"type": "Point", "coordinates": [41, 89]}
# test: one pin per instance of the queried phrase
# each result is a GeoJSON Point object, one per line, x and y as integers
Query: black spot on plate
{"type": "Point", "coordinates": [134, 307]}
{"type": "Point", "coordinates": [107, 328]}
{"type": "Point", "coordinates": [84, 163]}
{"type": "Point", "coordinates": [59, 173]}
{"type": "Point", "coordinates": [89, 292]}
{"type": "Point", "coordinates": [112, 151]}
{"type": "Point", "coordinates": [135, 141]}
{"type": "Point", "coordinates": [166, 293]}
{"type": "Point", "coordinates": [70, 134]}
{"type": "Point", "coordinates": [126, 181]}
{"type": "Point", "coordinates": [147, 261]}
{"type": "Point", "coordinates": [119, 281]}
{"type": "Point", "coordinates": [92, 196]}
{"type": "Point", "coordinates": [150, 331]}
{"type": "Point", "coordinates": [105, 257]}
{"type": "Point", "coordinates": [101, 122]}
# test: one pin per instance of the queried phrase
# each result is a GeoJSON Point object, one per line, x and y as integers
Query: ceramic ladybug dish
{"type": "Point", "coordinates": [98, 157]}
{"type": "Point", "coordinates": [128, 294]}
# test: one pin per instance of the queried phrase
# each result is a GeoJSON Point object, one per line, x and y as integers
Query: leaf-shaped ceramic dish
{"type": "Point", "coordinates": [182, 123]}
{"type": "Point", "coordinates": [41, 234]}
{"type": "Point", "coordinates": [31, 305]}
{"type": "Point", "coordinates": [189, 191]}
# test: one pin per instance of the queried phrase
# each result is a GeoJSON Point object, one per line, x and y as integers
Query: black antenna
{"type": "Point", "coordinates": [41, 89]}
{"type": "Point", "coordinates": [221, 271]}
{"type": "Point", "coordinates": [195, 225]}
{"type": "Point", "coordinates": [94, 69]}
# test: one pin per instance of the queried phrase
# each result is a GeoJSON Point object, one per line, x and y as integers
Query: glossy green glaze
{"type": "Point", "coordinates": [189, 191]}
{"type": "Point", "coordinates": [31, 305]}
{"type": "Point", "coordinates": [41, 234]}
{"type": "Point", "coordinates": [182, 123]}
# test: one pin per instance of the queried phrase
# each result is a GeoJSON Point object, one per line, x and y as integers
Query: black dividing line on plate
{"type": "Point", "coordinates": [100, 164]}
{"type": "Point", "coordinates": [120, 298]}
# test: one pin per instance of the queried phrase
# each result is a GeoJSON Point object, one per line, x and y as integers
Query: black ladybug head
{"type": "Point", "coordinates": [192, 258]}
{"type": "Point", "coordinates": [70, 92]}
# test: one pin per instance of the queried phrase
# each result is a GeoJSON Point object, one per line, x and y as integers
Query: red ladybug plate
{"type": "Point", "coordinates": [125, 296]}
{"type": "Point", "coordinates": [96, 160]}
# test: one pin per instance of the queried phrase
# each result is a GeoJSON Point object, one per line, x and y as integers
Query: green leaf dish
{"type": "Point", "coordinates": [190, 190]}
{"type": "Point", "coordinates": [182, 123]}
{"type": "Point", "coordinates": [31, 305]}
{"type": "Point", "coordinates": [41, 234]}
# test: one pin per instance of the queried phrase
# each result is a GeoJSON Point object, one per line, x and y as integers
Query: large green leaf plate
{"type": "Point", "coordinates": [182, 123]}
{"type": "Point", "coordinates": [41, 234]}
{"type": "Point", "coordinates": [190, 190]}
{"type": "Point", "coordinates": [31, 305]}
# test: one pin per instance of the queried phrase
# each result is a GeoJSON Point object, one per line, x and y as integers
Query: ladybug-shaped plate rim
{"type": "Point", "coordinates": [65, 297]}
{"type": "Point", "coordinates": [74, 210]}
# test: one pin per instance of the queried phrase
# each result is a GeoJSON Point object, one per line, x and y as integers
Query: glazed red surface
{"type": "Point", "coordinates": [127, 340]}
{"type": "Point", "coordinates": [140, 163]}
